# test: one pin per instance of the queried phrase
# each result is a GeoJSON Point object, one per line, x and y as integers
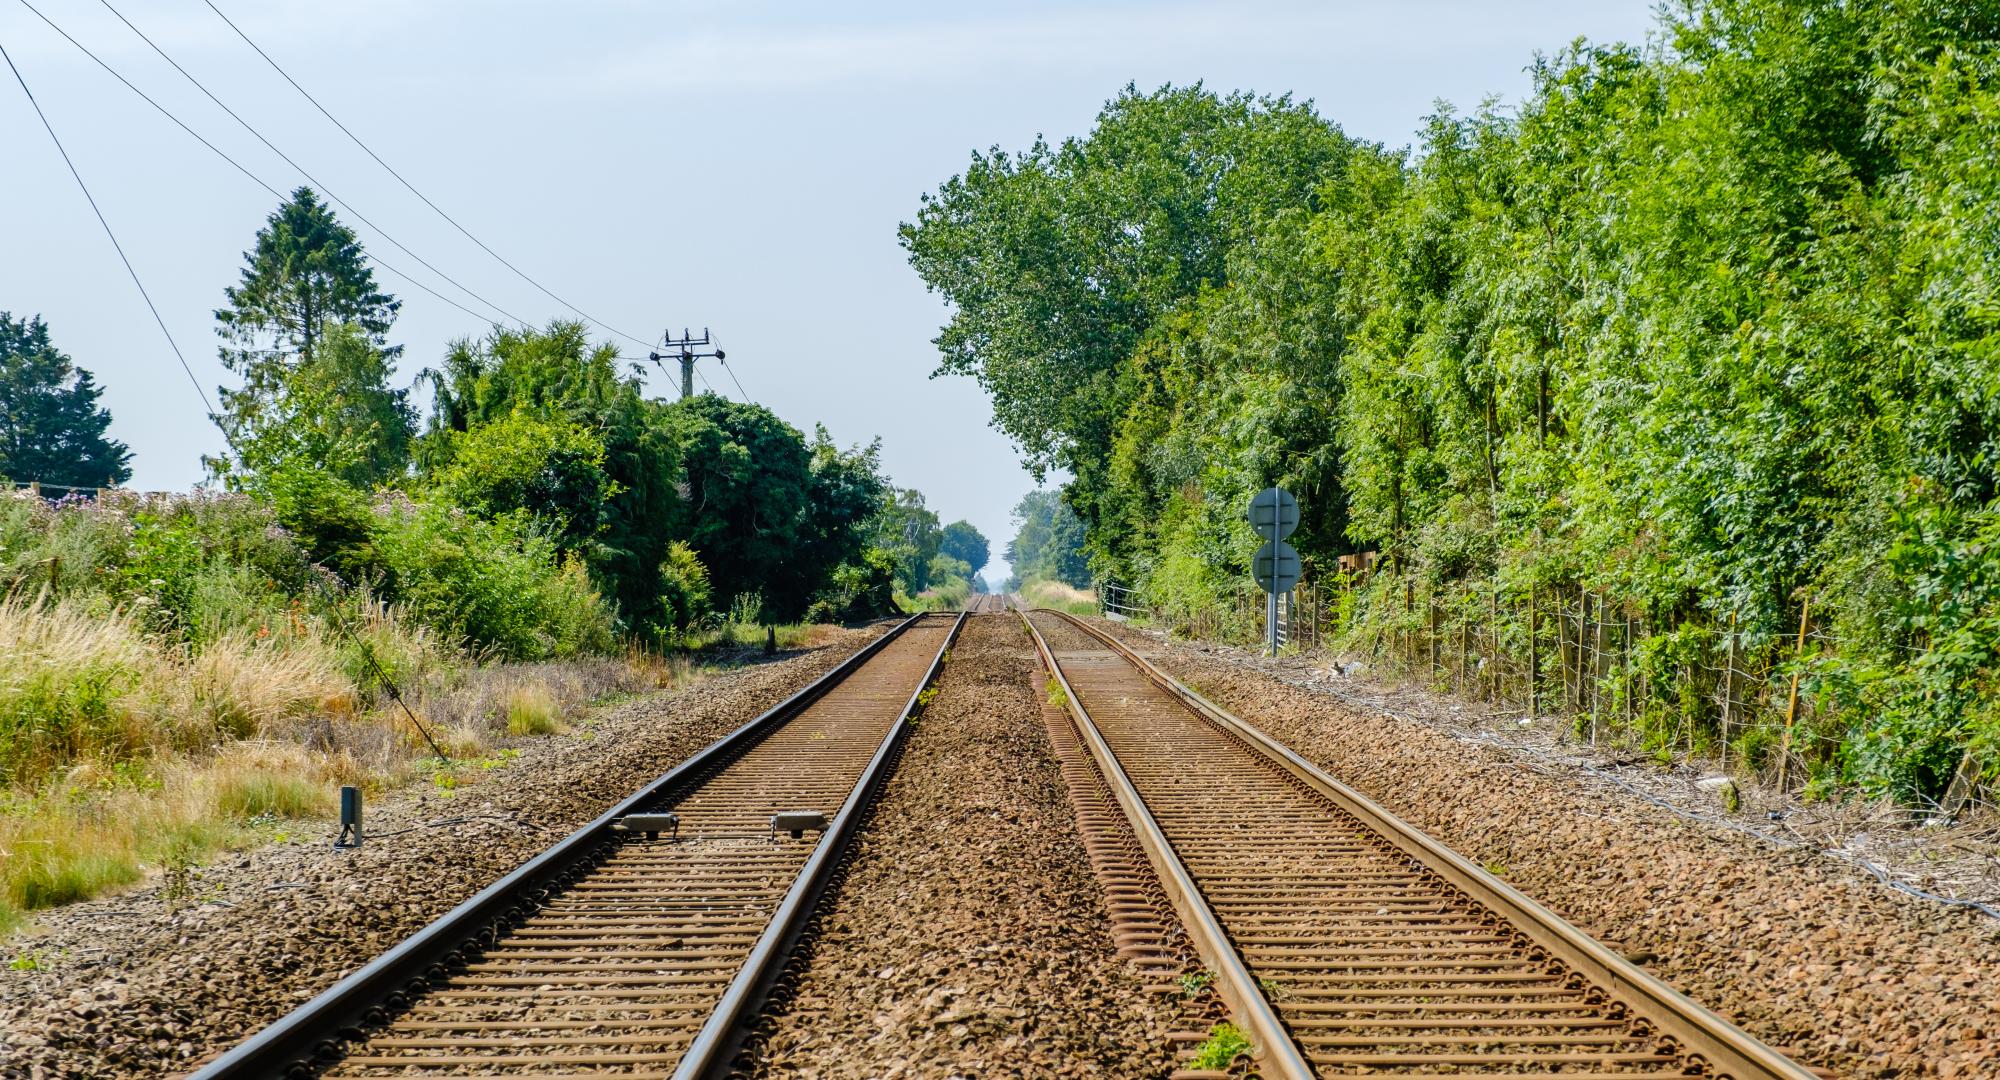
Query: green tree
{"type": "Point", "coordinates": [52, 429]}
{"type": "Point", "coordinates": [333, 412]}
{"type": "Point", "coordinates": [1048, 541]}
{"type": "Point", "coordinates": [304, 278]}
{"type": "Point", "coordinates": [966, 544]}
{"type": "Point", "coordinates": [550, 470]}
{"type": "Point", "coordinates": [750, 485]}
{"type": "Point", "coordinates": [908, 531]}
{"type": "Point", "coordinates": [555, 377]}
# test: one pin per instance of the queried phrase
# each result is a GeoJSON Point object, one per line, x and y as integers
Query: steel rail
{"type": "Point", "coordinates": [1711, 1040]}
{"type": "Point", "coordinates": [311, 1037]}
{"type": "Point", "coordinates": [713, 1048]}
{"type": "Point", "coordinates": [1278, 1057]}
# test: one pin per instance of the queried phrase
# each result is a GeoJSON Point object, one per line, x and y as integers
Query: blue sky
{"type": "Point", "coordinates": [740, 166]}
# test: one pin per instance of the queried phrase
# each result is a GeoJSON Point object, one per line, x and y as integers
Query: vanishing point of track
{"type": "Point", "coordinates": [640, 946]}
{"type": "Point", "coordinates": [1345, 941]}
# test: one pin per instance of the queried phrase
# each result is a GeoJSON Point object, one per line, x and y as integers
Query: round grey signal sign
{"type": "Point", "coordinates": [1276, 567]}
{"type": "Point", "coordinates": [1274, 513]}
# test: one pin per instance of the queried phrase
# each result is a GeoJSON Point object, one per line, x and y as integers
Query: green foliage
{"type": "Point", "coordinates": [1704, 328]}
{"type": "Point", "coordinates": [496, 584]}
{"type": "Point", "coordinates": [1225, 1044]}
{"type": "Point", "coordinates": [864, 588]}
{"type": "Point", "coordinates": [51, 426]}
{"type": "Point", "coordinates": [1048, 541]}
{"type": "Point", "coordinates": [909, 532]}
{"type": "Point", "coordinates": [968, 545]}
{"type": "Point", "coordinates": [553, 471]}
{"type": "Point", "coordinates": [306, 282]}
{"type": "Point", "coordinates": [685, 596]}
{"type": "Point", "coordinates": [331, 411]}
{"type": "Point", "coordinates": [550, 390]}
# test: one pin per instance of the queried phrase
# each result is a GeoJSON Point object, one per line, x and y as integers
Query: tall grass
{"type": "Point", "coordinates": [1042, 592]}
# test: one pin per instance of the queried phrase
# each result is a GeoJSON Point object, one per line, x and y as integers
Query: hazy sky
{"type": "Point", "coordinates": [739, 166]}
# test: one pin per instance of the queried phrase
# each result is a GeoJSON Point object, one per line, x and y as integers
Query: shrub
{"type": "Point", "coordinates": [684, 589]}
{"type": "Point", "coordinates": [496, 585]}
{"type": "Point", "coordinates": [864, 589]}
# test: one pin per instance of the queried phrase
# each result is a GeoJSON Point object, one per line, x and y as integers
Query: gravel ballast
{"type": "Point", "coordinates": [968, 935]}
{"type": "Point", "coordinates": [1811, 955]}
{"type": "Point", "coordinates": [142, 985]}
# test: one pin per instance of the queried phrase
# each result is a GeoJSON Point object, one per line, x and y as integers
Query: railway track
{"type": "Point", "coordinates": [1343, 940]}
{"type": "Point", "coordinates": [643, 944]}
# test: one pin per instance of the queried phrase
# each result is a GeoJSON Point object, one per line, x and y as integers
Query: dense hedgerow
{"type": "Point", "coordinates": [1703, 330]}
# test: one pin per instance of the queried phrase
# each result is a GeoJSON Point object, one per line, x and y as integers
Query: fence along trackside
{"type": "Point", "coordinates": [315, 1036]}
{"type": "Point", "coordinates": [1390, 950]}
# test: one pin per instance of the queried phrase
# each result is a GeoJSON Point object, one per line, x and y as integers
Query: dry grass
{"type": "Point", "coordinates": [532, 710]}
{"type": "Point", "coordinates": [1060, 596]}
{"type": "Point", "coordinates": [124, 757]}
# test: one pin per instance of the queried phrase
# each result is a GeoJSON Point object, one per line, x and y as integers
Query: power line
{"type": "Point", "coordinates": [356, 139]}
{"type": "Point", "coordinates": [302, 170]}
{"type": "Point", "coordinates": [219, 152]}
{"type": "Point", "coordinates": [340, 620]}
{"type": "Point", "coordinates": [733, 378]}
{"type": "Point", "coordinates": [101, 220]}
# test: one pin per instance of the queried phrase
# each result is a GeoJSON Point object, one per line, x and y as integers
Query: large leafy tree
{"type": "Point", "coordinates": [908, 532]}
{"type": "Point", "coordinates": [1060, 261]}
{"type": "Point", "coordinates": [52, 429]}
{"type": "Point", "coordinates": [750, 485]}
{"type": "Point", "coordinates": [961, 541]}
{"type": "Point", "coordinates": [306, 290]}
{"type": "Point", "coordinates": [574, 441]}
{"type": "Point", "coordinates": [1048, 541]}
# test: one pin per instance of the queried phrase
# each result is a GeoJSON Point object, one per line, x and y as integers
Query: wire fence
{"type": "Point", "coordinates": [1756, 698]}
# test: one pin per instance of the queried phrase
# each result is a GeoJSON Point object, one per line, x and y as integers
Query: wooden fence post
{"type": "Point", "coordinates": [1728, 689]}
{"type": "Point", "coordinates": [1534, 655]}
{"type": "Point", "coordinates": [1792, 705]}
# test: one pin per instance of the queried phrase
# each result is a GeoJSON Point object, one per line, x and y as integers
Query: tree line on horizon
{"type": "Point", "coordinates": [1705, 327]}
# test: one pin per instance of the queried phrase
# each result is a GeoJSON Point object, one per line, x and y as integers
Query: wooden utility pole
{"type": "Point", "coordinates": [684, 349]}
{"type": "Point", "coordinates": [1792, 706]}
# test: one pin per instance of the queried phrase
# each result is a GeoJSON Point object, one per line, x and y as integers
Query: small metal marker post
{"type": "Point", "coordinates": [1274, 513]}
{"type": "Point", "coordinates": [350, 818]}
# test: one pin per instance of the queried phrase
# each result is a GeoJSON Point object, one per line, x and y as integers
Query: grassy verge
{"type": "Point", "coordinates": [129, 757]}
{"type": "Point", "coordinates": [1044, 593]}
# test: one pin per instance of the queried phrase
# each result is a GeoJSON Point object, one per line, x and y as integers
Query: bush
{"type": "Point", "coordinates": [684, 588]}
{"type": "Point", "coordinates": [864, 589]}
{"type": "Point", "coordinates": [552, 470]}
{"type": "Point", "coordinates": [497, 585]}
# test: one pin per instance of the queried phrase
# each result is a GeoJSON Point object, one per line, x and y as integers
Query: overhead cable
{"type": "Point", "coordinates": [101, 220]}
{"type": "Point", "coordinates": [219, 152]}
{"type": "Point", "coordinates": [366, 149]}
{"type": "Point", "coordinates": [247, 126]}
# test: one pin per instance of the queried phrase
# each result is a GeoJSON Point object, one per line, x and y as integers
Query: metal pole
{"type": "Point", "coordinates": [1271, 619]}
